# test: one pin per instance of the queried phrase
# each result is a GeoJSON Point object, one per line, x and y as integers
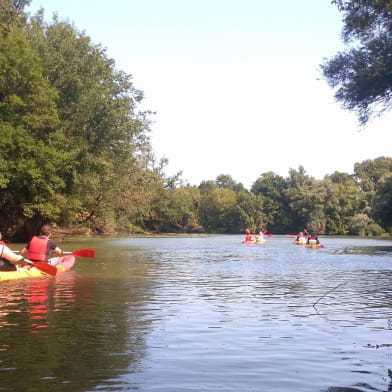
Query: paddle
{"type": "Point", "coordinates": [82, 253]}
{"type": "Point", "coordinates": [77, 252]}
{"type": "Point", "coordinates": [43, 266]}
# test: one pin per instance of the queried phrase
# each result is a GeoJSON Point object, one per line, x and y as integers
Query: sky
{"type": "Point", "coordinates": [235, 85]}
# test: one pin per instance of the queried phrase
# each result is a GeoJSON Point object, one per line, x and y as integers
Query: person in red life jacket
{"type": "Point", "coordinates": [313, 239]}
{"type": "Point", "coordinates": [8, 258]}
{"type": "Point", "coordinates": [40, 247]}
{"type": "Point", "coordinates": [248, 237]}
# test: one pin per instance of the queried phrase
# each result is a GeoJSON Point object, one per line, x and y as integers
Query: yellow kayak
{"type": "Point", "coordinates": [62, 263]}
{"type": "Point", "coordinates": [256, 241]}
{"type": "Point", "coordinates": [314, 245]}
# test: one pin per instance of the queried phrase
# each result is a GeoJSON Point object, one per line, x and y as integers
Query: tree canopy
{"type": "Point", "coordinates": [362, 74]}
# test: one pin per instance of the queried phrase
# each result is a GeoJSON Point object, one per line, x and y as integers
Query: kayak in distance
{"type": "Point", "coordinates": [314, 246]}
{"type": "Point", "coordinates": [300, 242]}
{"type": "Point", "coordinates": [62, 264]}
{"type": "Point", "coordinates": [258, 241]}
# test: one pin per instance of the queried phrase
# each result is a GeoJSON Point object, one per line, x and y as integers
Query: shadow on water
{"type": "Point", "coordinates": [367, 250]}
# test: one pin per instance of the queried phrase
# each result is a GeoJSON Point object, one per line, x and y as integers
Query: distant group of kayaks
{"type": "Point", "coordinates": [255, 238]}
{"type": "Point", "coordinates": [310, 241]}
{"type": "Point", "coordinates": [258, 240]}
{"type": "Point", "coordinates": [308, 244]}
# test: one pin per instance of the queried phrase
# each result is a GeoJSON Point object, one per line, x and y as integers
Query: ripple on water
{"type": "Point", "coordinates": [206, 314]}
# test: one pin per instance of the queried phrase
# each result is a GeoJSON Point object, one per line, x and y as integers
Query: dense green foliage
{"type": "Point", "coordinates": [362, 74]}
{"type": "Point", "coordinates": [75, 151]}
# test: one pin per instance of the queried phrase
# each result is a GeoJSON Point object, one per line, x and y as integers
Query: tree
{"type": "Point", "coordinates": [248, 213]}
{"type": "Point", "coordinates": [31, 179]}
{"type": "Point", "coordinates": [11, 15]}
{"type": "Point", "coordinates": [305, 195]}
{"type": "Point", "coordinates": [176, 210]}
{"type": "Point", "coordinates": [26, 98]}
{"type": "Point", "coordinates": [272, 188]}
{"type": "Point", "coordinates": [359, 224]}
{"type": "Point", "coordinates": [103, 131]}
{"type": "Point", "coordinates": [362, 74]}
{"type": "Point", "coordinates": [216, 207]}
{"type": "Point", "coordinates": [382, 203]}
{"type": "Point", "coordinates": [73, 146]}
{"type": "Point", "coordinates": [367, 174]}
{"type": "Point", "coordinates": [343, 200]}
{"type": "Point", "coordinates": [226, 181]}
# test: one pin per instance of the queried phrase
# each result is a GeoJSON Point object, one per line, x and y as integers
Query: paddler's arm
{"type": "Point", "coordinates": [11, 256]}
{"type": "Point", "coordinates": [24, 252]}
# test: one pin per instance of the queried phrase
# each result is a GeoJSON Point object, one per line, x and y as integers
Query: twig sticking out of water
{"type": "Point", "coordinates": [328, 292]}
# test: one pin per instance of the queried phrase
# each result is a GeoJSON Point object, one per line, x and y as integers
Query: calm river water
{"type": "Point", "coordinates": [203, 314]}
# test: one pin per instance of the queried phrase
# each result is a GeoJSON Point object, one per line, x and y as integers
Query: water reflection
{"type": "Point", "coordinates": [71, 332]}
{"type": "Point", "coordinates": [38, 296]}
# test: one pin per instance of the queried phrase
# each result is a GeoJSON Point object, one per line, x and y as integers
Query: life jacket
{"type": "Point", "coordinates": [38, 249]}
{"type": "Point", "coordinates": [312, 240]}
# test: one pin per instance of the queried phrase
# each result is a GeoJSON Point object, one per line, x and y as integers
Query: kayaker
{"type": "Point", "coordinates": [40, 247]}
{"type": "Point", "coordinates": [300, 237]}
{"type": "Point", "coordinates": [248, 237]}
{"type": "Point", "coordinates": [8, 258]}
{"type": "Point", "coordinates": [313, 239]}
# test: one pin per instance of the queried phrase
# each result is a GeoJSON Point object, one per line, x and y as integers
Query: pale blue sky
{"type": "Point", "coordinates": [234, 83]}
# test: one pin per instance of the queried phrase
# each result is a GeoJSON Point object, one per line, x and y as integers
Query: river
{"type": "Point", "coordinates": [203, 313]}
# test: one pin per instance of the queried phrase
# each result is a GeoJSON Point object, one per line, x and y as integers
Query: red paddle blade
{"type": "Point", "coordinates": [83, 252]}
{"type": "Point", "coordinates": [45, 267]}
